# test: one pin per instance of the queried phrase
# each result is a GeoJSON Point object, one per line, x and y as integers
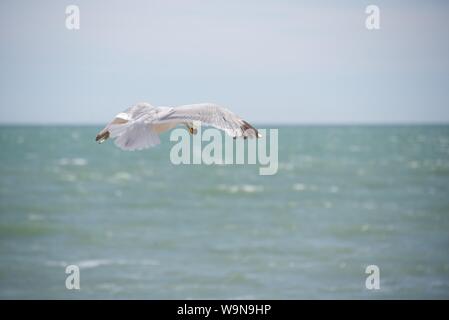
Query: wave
{"type": "Point", "coordinates": [246, 188]}
{"type": "Point", "coordinates": [72, 162]}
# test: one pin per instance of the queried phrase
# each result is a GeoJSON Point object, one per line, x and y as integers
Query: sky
{"type": "Point", "coordinates": [286, 62]}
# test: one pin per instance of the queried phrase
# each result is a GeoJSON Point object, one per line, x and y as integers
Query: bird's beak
{"type": "Point", "coordinates": [102, 136]}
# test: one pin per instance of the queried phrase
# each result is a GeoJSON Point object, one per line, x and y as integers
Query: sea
{"type": "Point", "coordinates": [348, 207]}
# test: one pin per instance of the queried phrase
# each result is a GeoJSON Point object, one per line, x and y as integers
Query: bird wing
{"type": "Point", "coordinates": [213, 115]}
{"type": "Point", "coordinates": [136, 136]}
{"type": "Point", "coordinates": [135, 132]}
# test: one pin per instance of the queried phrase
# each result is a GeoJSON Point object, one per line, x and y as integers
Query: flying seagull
{"type": "Point", "coordinates": [138, 127]}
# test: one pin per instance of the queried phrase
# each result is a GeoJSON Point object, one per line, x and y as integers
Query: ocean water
{"type": "Point", "coordinates": [139, 227]}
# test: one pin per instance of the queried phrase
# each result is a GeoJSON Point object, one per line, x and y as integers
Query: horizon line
{"type": "Point", "coordinates": [286, 124]}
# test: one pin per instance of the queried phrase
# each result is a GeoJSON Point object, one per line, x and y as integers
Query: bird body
{"type": "Point", "coordinates": [139, 126]}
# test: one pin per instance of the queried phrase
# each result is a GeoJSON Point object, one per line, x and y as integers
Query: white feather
{"type": "Point", "coordinates": [214, 115]}
{"type": "Point", "coordinates": [144, 122]}
{"type": "Point", "coordinates": [137, 136]}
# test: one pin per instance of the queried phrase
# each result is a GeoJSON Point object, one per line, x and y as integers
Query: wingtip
{"type": "Point", "coordinates": [102, 136]}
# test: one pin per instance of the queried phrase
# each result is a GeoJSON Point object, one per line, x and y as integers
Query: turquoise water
{"type": "Point", "coordinates": [140, 227]}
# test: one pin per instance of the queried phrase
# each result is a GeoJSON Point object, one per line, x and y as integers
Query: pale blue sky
{"type": "Point", "coordinates": [268, 61]}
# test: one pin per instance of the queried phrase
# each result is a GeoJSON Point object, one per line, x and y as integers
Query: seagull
{"type": "Point", "coordinates": [138, 127]}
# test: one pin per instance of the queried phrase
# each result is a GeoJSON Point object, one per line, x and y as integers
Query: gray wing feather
{"type": "Point", "coordinates": [216, 116]}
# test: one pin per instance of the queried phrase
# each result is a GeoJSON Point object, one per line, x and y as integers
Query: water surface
{"type": "Point", "coordinates": [139, 227]}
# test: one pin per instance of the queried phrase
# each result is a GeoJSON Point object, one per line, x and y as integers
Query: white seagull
{"type": "Point", "coordinates": [138, 127]}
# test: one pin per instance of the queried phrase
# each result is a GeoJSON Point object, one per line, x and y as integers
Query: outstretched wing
{"type": "Point", "coordinates": [216, 116]}
{"type": "Point", "coordinates": [134, 136]}
{"type": "Point", "coordinates": [133, 129]}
